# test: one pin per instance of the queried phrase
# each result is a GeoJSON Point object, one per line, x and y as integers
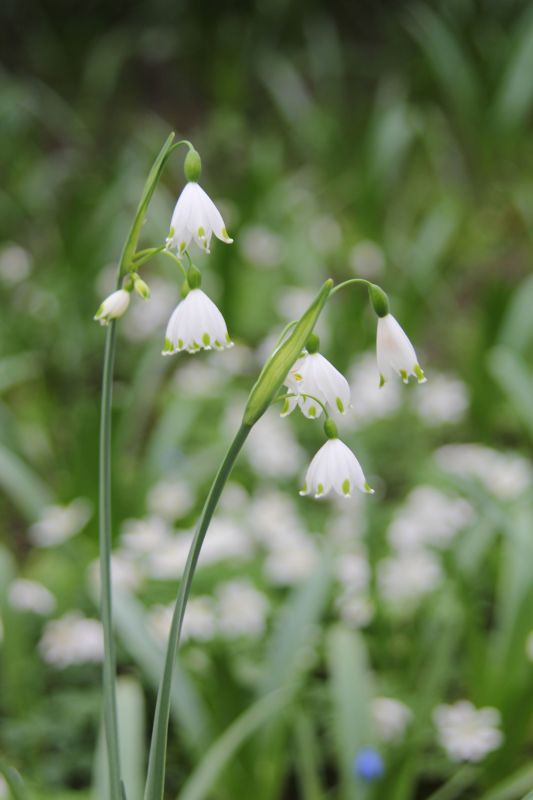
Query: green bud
{"type": "Point", "coordinates": [140, 286]}
{"type": "Point", "coordinates": [379, 300]}
{"type": "Point", "coordinates": [193, 165]}
{"type": "Point", "coordinates": [194, 277]}
{"type": "Point", "coordinates": [313, 344]}
{"type": "Point", "coordinates": [278, 365]}
{"type": "Point", "coordinates": [330, 429]}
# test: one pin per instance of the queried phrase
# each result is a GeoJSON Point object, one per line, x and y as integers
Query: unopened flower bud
{"type": "Point", "coordinates": [193, 165]}
{"type": "Point", "coordinates": [140, 286]}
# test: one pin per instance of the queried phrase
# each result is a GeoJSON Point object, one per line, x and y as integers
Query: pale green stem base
{"type": "Point", "coordinates": [156, 766]}
{"type": "Point", "coordinates": [109, 666]}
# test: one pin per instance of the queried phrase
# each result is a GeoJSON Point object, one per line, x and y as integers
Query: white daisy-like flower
{"type": "Point", "coordinates": [315, 376]}
{"type": "Point", "coordinates": [395, 353]}
{"type": "Point", "coordinates": [468, 733]}
{"type": "Point", "coordinates": [335, 468]}
{"type": "Point", "coordinates": [196, 324]}
{"type": "Point", "coordinates": [195, 218]}
{"type": "Point", "coordinates": [113, 307]}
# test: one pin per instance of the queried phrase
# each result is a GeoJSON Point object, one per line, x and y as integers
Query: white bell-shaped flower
{"type": "Point", "coordinates": [313, 376]}
{"type": "Point", "coordinates": [395, 353]}
{"type": "Point", "coordinates": [335, 468]}
{"type": "Point", "coordinates": [195, 218]}
{"type": "Point", "coordinates": [196, 324]}
{"type": "Point", "coordinates": [113, 307]}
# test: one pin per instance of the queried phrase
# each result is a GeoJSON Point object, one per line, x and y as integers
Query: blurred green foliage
{"type": "Point", "coordinates": [405, 125]}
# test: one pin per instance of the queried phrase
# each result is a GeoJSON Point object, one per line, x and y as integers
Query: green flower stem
{"type": "Point", "coordinates": [174, 258]}
{"type": "Point", "coordinates": [109, 666]}
{"type": "Point", "coordinates": [156, 765]}
{"type": "Point", "coordinates": [125, 265]}
{"type": "Point", "coordinates": [350, 282]}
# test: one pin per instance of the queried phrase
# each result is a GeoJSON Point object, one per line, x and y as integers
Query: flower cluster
{"type": "Point", "coordinates": [196, 323]}
{"type": "Point", "coordinates": [315, 386]}
{"type": "Point", "coordinates": [312, 383]}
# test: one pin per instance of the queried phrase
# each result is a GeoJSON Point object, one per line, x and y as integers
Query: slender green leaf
{"type": "Point", "coordinates": [201, 782]}
{"type": "Point", "coordinates": [351, 693]}
{"type": "Point", "coordinates": [187, 707]}
{"type": "Point", "coordinates": [513, 787]}
{"type": "Point", "coordinates": [24, 487]}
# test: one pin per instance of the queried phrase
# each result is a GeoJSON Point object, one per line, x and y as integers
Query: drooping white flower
{"type": "Point", "coordinates": [315, 376]}
{"type": "Point", "coordinates": [394, 351]}
{"type": "Point", "coordinates": [335, 468]}
{"type": "Point", "coordinates": [196, 324]}
{"type": "Point", "coordinates": [113, 307]}
{"type": "Point", "coordinates": [195, 218]}
{"type": "Point", "coordinates": [467, 733]}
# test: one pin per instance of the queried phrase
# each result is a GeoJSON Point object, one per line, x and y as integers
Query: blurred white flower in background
{"type": "Point", "coordinates": [126, 572]}
{"type": "Point", "coordinates": [369, 401]}
{"type": "Point", "coordinates": [391, 718]}
{"type": "Point", "coordinates": [59, 523]}
{"type": "Point", "coordinates": [145, 319]}
{"type": "Point", "coordinates": [408, 576]}
{"type": "Point", "coordinates": [171, 498]}
{"type": "Point", "coordinates": [15, 264]}
{"type": "Point", "coordinates": [273, 517]}
{"type": "Point", "coordinates": [294, 301]}
{"type": "Point", "coordinates": [353, 571]}
{"type": "Point", "coordinates": [444, 400]}
{"type": "Point", "coordinates": [325, 234]}
{"type": "Point", "coordinates": [72, 639]}
{"type": "Point", "coordinates": [367, 259]}
{"type": "Point", "coordinates": [467, 733]}
{"type": "Point", "coordinates": [261, 246]}
{"type": "Point", "coordinates": [355, 610]}
{"type": "Point", "coordinates": [429, 517]}
{"type": "Point", "coordinates": [242, 609]}
{"type": "Point", "coordinates": [291, 560]}
{"type": "Point", "coordinates": [226, 539]}
{"type": "Point", "coordinates": [168, 560]}
{"type": "Point", "coordinates": [4, 789]}
{"type": "Point", "coordinates": [505, 475]}
{"type": "Point", "coordinates": [272, 449]}
{"type": "Point", "coordinates": [26, 595]}
{"type": "Point", "coordinates": [144, 536]}
{"type": "Point", "coordinates": [199, 622]}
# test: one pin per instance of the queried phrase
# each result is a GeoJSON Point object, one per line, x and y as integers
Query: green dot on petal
{"type": "Point", "coordinates": [312, 411]}
{"type": "Point", "coordinates": [340, 404]}
{"type": "Point", "coordinates": [320, 488]}
{"type": "Point", "coordinates": [206, 339]}
{"type": "Point", "coordinates": [404, 376]}
{"type": "Point", "coordinates": [180, 343]}
{"type": "Point", "coordinates": [346, 487]}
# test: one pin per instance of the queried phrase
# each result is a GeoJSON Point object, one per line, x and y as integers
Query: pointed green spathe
{"type": "Point", "coordinates": [278, 365]}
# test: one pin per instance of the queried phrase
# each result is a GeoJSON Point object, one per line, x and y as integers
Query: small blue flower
{"type": "Point", "coordinates": [368, 765]}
